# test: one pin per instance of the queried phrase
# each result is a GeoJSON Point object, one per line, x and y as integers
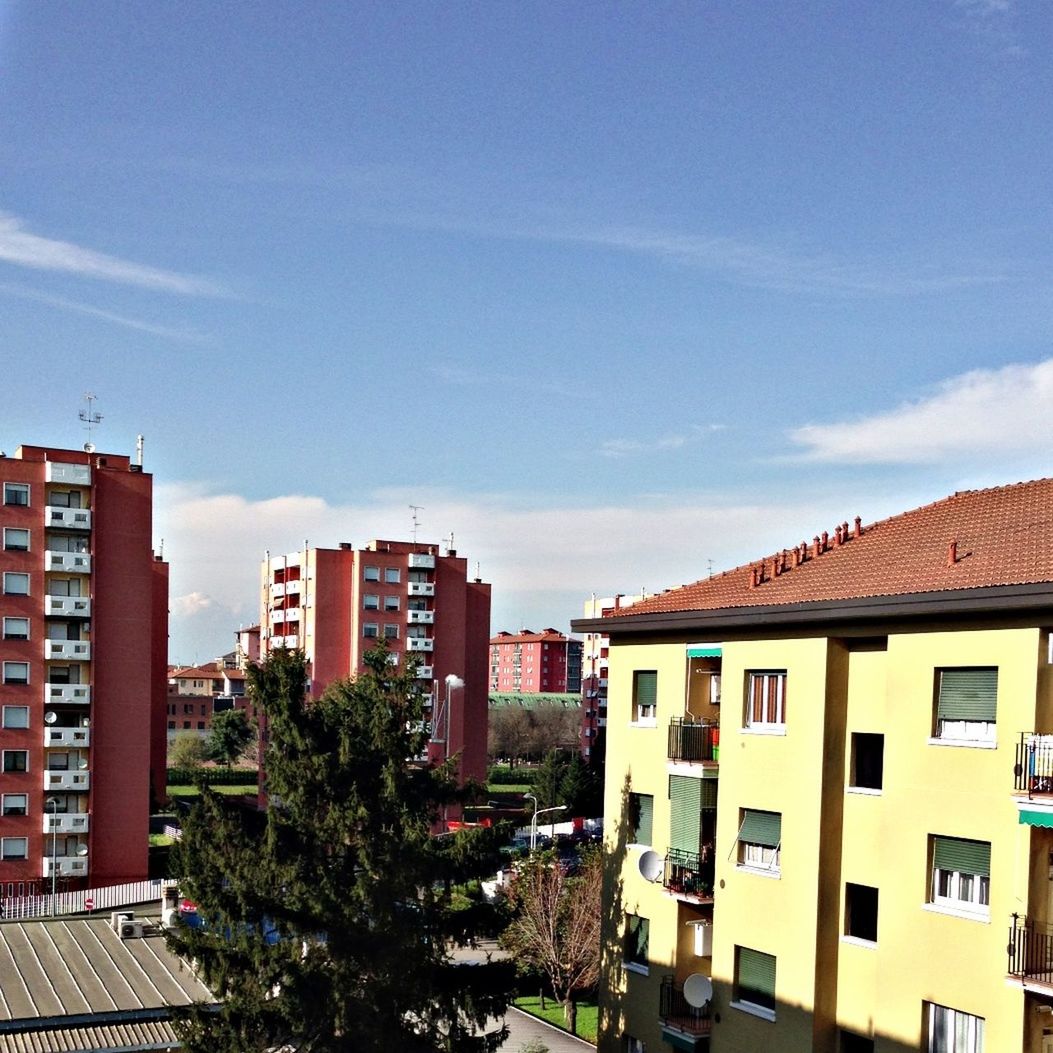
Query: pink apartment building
{"type": "Point", "coordinates": [528, 662]}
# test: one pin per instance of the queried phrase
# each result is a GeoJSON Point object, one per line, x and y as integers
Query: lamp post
{"type": "Point", "coordinates": [533, 818]}
{"type": "Point", "coordinates": [453, 683]}
{"type": "Point", "coordinates": [52, 803]}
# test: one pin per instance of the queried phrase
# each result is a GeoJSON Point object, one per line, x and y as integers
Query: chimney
{"type": "Point", "coordinates": [952, 553]}
{"type": "Point", "coordinates": [826, 541]}
{"type": "Point", "coordinates": [815, 546]}
{"type": "Point", "coordinates": [859, 527]}
{"type": "Point", "coordinates": [839, 537]}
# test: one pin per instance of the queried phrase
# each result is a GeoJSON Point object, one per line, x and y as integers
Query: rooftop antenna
{"type": "Point", "coordinates": [710, 562]}
{"type": "Point", "coordinates": [416, 519]}
{"type": "Point", "coordinates": [90, 418]}
{"type": "Point", "coordinates": [139, 450]}
{"type": "Point", "coordinates": [448, 542]}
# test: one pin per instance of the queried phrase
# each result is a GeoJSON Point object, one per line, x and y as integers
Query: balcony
{"type": "Point", "coordinates": [421, 617]}
{"type": "Point", "coordinates": [292, 642]}
{"type": "Point", "coordinates": [67, 606]}
{"type": "Point", "coordinates": [70, 474]}
{"type": "Point", "coordinates": [1030, 951]}
{"type": "Point", "coordinates": [693, 742]}
{"type": "Point", "coordinates": [67, 781]}
{"type": "Point", "coordinates": [55, 738]}
{"type": "Point", "coordinates": [1033, 771]}
{"type": "Point", "coordinates": [293, 586]}
{"type": "Point", "coordinates": [77, 693]}
{"type": "Point", "coordinates": [68, 562]}
{"type": "Point", "coordinates": [421, 588]}
{"type": "Point", "coordinates": [65, 822]}
{"type": "Point", "coordinates": [674, 1010]}
{"type": "Point", "coordinates": [68, 650]}
{"type": "Point", "coordinates": [689, 873]}
{"type": "Point", "coordinates": [277, 590]}
{"type": "Point", "coordinates": [419, 643]}
{"type": "Point", "coordinates": [424, 672]}
{"type": "Point", "coordinates": [67, 518]}
{"type": "Point", "coordinates": [421, 561]}
{"type": "Point", "coordinates": [65, 866]}
{"type": "Point", "coordinates": [277, 616]}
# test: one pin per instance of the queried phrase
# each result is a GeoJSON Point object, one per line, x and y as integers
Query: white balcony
{"type": "Point", "coordinates": [61, 518]}
{"type": "Point", "coordinates": [67, 606]}
{"type": "Point", "coordinates": [421, 617]}
{"type": "Point", "coordinates": [293, 586]}
{"type": "Point", "coordinates": [419, 643]}
{"type": "Point", "coordinates": [424, 672]}
{"type": "Point", "coordinates": [277, 589]}
{"type": "Point", "coordinates": [78, 738]}
{"type": "Point", "coordinates": [70, 474]}
{"type": "Point", "coordinates": [277, 616]}
{"type": "Point", "coordinates": [421, 588]}
{"type": "Point", "coordinates": [65, 822]}
{"type": "Point", "coordinates": [292, 642]}
{"type": "Point", "coordinates": [68, 650]}
{"type": "Point", "coordinates": [68, 562]}
{"type": "Point", "coordinates": [79, 693]}
{"type": "Point", "coordinates": [420, 561]}
{"type": "Point", "coordinates": [67, 781]}
{"type": "Point", "coordinates": [66, 866]}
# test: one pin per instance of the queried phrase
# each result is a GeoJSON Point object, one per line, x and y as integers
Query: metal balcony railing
{"type": "Point", "coordinates": [1033, 771]}
{"type": "Point", "coordinates": [689, 741]}
{"type": "Point", "coordinates": [689, 873]}
{"type": "Point", "coordinates": [1030, 950]}
{"type": "Point", "coordinates": [674, 1010]}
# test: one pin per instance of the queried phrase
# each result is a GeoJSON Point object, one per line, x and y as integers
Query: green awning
{"type": "Point", "coordinates": [703, 652]}
{"type": "Point", "coordinates": [1029, 818]}
{"type": "Point", "coordinates": [685, 1043]}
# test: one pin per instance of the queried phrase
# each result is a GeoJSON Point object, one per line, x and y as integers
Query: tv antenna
{"type": "Point", "coordinates": [416, 519]}
{"type": "Point", "coordinates": [90, 418]}
{"type": "Point", "coordinates": [448, 542]}
{"type": "Point", "coordinates": [710, 562]}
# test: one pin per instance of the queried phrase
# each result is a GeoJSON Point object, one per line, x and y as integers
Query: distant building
{"type": "Point", "coordinates": [84, 606]}
{"type": "Point", "coordinates": [337, 604]}
{"type": "Point", "coordinates": [196, 693]}
{"type": "Point", "coordinates": [527, 662]}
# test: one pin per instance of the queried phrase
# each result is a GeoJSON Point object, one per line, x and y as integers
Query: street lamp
{"type": "Point", "coordinates": [53, 803]}
{"type": "Point", "coordinates": [533, 818]}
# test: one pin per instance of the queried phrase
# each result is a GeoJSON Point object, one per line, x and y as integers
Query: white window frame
{"type": "Point", "coordinates": [391, 603]}
{"type": "Point", "coordinates": [6, 721]}
{"type": "Point", "coordinates": [392, 576]}
{"type": "Point", "coordinates": [391, 631]}
{"type": "Point", "coordinates": [371, 601]}
{"type": "Point", "coordinates": [18, 487]}
{"type": "Point", "coordinates": [770, 721]}
{"type": "Point", "coordinates": [11, 623]}
{"type": "Point", "coordinates": [9, 807]}
{"type": "Point", "coordinates": [18, 680]}
{"type": "Point", "coordinates": [952, 1031]}
{"type": "Point", "coordinates": [961, 891]}
{"type": "Point", "coordinates": [371, 630]}
{"type": "Point", "coordinates": [11, 574]}
{"type": "Point", "coordinates": [8, 547]}
{"type": "Point", "coordinates": [5, 855]}
{"type": "Point", "coordinates": [966, 730]}
{"type": "Point", "coordinates": [760, 857]}
{"type": "Point", "coordinates": [371, 573]}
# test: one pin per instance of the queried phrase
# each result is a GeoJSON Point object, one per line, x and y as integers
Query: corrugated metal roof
{"type": "Point", "coordinates": [110, 1038]}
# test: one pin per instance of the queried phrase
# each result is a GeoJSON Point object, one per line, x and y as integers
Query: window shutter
{"type": "Point", "coordinates": [756, 978]}
{"type": "Point", "coordinates": [967, 857]}
{"type": "Point", "coordinates": [761, 828]}
{"type": "Point", "coordinates": [685, 813]}
{"type": "Point", "coordinates": [644, 817]}
{"type": "Point", "coordinates": [968, 694]}
{"type": "Point", "coordinates": [646, 688]}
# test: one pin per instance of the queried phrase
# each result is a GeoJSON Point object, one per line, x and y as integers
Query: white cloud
{"type": "Point", "coordinates": [984, 412]}
{"type": "Point", "coordinates": [190, 604]}
{"type": "Point", "coordinates": [628, 447]}
{"type": "Point", "coordinates": [25, 249]}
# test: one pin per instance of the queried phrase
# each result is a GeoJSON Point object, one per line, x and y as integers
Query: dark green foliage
{"type": "Point", "coordinates": [211, 776]}
{"type": "Point", "coordinates": [344, 868]}
{"type": "Point", "coordinates": [563, 777]}
{"type": "Point", "coordinates": [501, 775]}
{"type": "Point", "coordinates": [232, 732]}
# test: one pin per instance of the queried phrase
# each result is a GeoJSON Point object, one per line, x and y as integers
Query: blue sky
{"type": "Point", "coordinates": [610, 290]}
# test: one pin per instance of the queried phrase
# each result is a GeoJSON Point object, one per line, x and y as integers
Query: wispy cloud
{"type": "Point", "coordinates": [63, 304]}
{"type": "Point", "coordinates": [993, 24]}
{"type": "Point", "coordinates": [23, 248]}
{"type": "Point", "coordinates": [629, 447]}
{"type": "Point", "coordinates": [982, 413]}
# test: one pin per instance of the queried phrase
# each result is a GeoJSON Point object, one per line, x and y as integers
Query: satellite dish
{"type": "Point", "coordinates": [698, 990]}
{"type": "Point", "coordinates": [50, 717]}
{"type": "Point", "coordinates": [89, 447]}
{"type": "Point", "coordinates": [82, 850]}
{"type": "Point", "coordinates": [651, 865]}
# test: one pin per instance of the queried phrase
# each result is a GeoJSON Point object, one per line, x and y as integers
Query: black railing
{"type": "Point", "coordinates": [689, 741]}
{"type": "Point", "coordinates": [1030, 950]}
{"type": "Point", "coordinates": [1033, 771]}
{"type": "Point", "coordinates": [673, 1009]}
{"type": "Point", "coordinates": [690, 873]}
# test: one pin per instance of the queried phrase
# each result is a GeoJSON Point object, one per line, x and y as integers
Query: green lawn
{"type": "Point", "coordinates": [588, 1022]}
{"type": "Point", "coordinates": [160, 840]}
{"type": "Point", "coordinates": [495, 788]}
{"type": "Point", "coordinates": [234, 791]}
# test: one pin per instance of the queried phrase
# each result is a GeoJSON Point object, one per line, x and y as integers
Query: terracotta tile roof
{"type": "Point", "coordinates": [526, 636]}
{"type": "Point", "coordinates": [974, 539]}
{"type": "Point", "coordinates": [200, 672]}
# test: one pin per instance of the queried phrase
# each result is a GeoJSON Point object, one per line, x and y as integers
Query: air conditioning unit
{"type": "Point", "coordinates": [131, 930]}
{"type": "Point", "coordinates": [119, 917]}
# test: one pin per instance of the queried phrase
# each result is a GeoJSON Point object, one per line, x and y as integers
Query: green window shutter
{"type": "Point", "coordinates": [643, 818]}
{"type": "Point", "coordinates": [756, 977]}
{"type": "Point", "coordinates": [761, 828]}
{"type": "Point", "coordinates": [685, 813]}
{"type": "Point", "coordinates": [646, 688]}
{"type": "Point", "coordinates": [968, 694]}
{"type": "Point", "coordinates": [703, 652]}
{"type": "Point", "coordinates": [967, 857]}
{"type": "Point", "coordinates": [637, 931]}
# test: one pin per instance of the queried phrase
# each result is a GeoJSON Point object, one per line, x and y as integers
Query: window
{"type": "Point", "coordinates": [16, 493]}
{"type": "Point", "coordinates": [634, 1045]}
{"type": "Point", "coordinates": [952, 1031]}
{"type": "Point", "coordinates": [16, 760]}
{"type": "Point", "coordinates": [961, 874]}
{"type": "Point", "coordinates": [861, 908]}
{"type": "Point", "coordinates": [966, 701]}
{"type": "Point", "coordinates": [188, 707]}
{"type": "Point", "coordinates": [641, 818]}
{"type": "Point", "coordinates": [16, 584]}
{"type": "Point", "coordinates": [186, 725]}
{"type": "Point", "coordinates": [853, 1043]}
{"type": "Point", "coordinates": [371, 573]}
{"type": "Point", "coordinates": [371, 602]}
{"type": "Point", "coordinates": [200, 725]}
{"type": "Point", "coordinates": [371, 630]}
{"type": "Point", "coordinates": [16, 717]}
{"type": "Point", "coordinates": [766, 699]}
{"type": "Point", "coordinates": [58, 762]}
{"type": "Point", "coordinates": [645, 696]}
{"type": "Point", "coordinates": [760, 839]}
{"type": "Point", "coordinates": [754, 980]}
{"type": "Point", "coordinates": [14, 848]}
{"type": "Point", "coordinates": [16, 628]}
{"type": "Point", "coordinates": [391, 603]}
{"type": "Point", "coordinates": [171, 725]}
{"type": "Point", "coordinates": [16, 672]}
{"type": "Point", "coordinates": [392, 575]}
{"type": "Point", "coordinates": [637, 930]}
{"type": "Point", "coordinates": [15, 804]}
{"type": "Point", "coordinates": [867, 761]}
{"type": "Point", "coordinates": [391, 632]}
{"type": "Point", "coordinates": [16, 539]}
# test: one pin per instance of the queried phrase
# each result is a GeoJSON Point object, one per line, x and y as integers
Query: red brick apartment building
{"type": "Point", "coordinates": [527, 662]}
{"type": "Point", "coordinates": [83, 653]}
{"type": "Point", "coordinates": [197, 693]}
{"type": "Point", "coordinates": [336, 604]}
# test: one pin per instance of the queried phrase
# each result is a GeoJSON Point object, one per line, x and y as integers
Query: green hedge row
{"type": "Point", "coordinates": [502, 775]}
{"type": "Point", "coordinates": [214, 776]}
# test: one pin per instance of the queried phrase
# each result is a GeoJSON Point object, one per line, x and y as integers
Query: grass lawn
{"type": "Point", "coordinates": [234, 791]}
{"type": "Point", "coordinates": [553, 1013]}
{"type": "Point", "coordinates": [494, 788]}
{"type": "Point", "coordinates": [160, 840]}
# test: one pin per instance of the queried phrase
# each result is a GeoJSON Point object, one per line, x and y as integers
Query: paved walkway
{"type": "Point", "coordinates": [522, 1027]}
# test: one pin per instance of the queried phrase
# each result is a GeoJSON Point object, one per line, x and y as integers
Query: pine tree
{"type": "Point", "coordinates": [232, 731]}
{"type": "Point", "coordinates": [327, 917]}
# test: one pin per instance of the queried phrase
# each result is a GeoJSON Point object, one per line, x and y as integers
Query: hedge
{"type": "Point", "coordinates": [215, 776]}
{"type": "Point", "coordinates": [502, 775]}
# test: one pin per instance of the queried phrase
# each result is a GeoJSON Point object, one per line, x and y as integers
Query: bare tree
{"type": "Point", "coordinates": [556, 930]}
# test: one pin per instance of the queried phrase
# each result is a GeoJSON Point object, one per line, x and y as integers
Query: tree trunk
{"type": "Point", "coordinates": [570, 1011]}
{"type": "Point", "coordinates": [541, 998]}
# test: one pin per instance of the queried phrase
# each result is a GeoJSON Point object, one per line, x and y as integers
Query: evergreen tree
{"type": "Point", "coordinates": [548, 779]}
{"type": "Point", "coordinates": [327, 918]}
{"type": "Point", "coordinates": [232, 731]}
{"type": "Point", "coordinates": [580, 789]}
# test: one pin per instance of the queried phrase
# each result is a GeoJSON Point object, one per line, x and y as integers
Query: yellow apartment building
{"type": "Point", "coordinates": [830, 794]}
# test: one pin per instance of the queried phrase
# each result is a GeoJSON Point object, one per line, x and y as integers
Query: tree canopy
{"type": "Point", "coordinates": [232, 733]}
{"type": "Point", "coordinates": [327, 918]}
